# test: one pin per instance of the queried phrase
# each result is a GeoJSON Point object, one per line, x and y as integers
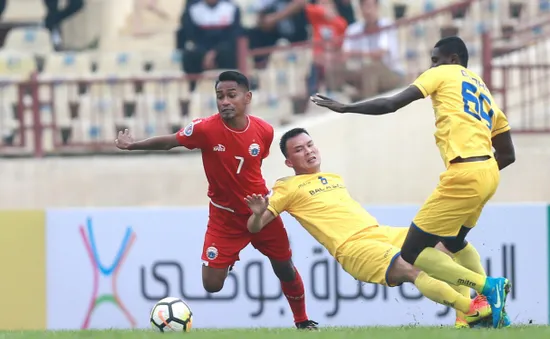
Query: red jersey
{"type": "Point", "coordinates": [232, 159]}
{"type": "Point", "coordinates": [327, 33]}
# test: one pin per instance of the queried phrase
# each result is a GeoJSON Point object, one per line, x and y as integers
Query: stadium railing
{"type": "Point", "coordinates": [517, 70]}
{"type": "Point", "coordinates": [70, 114]}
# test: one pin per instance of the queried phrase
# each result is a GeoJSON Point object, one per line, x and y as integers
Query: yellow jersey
{"type": "Point", "coordinates": [322, 205]}
{"type": "Point", "coordinates": [500, 123]}
{"type": "Point", "coordinates": [465, 111]}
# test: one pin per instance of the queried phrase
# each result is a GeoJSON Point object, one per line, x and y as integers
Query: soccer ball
{"type": "Point", "coordinates": [171, 315]}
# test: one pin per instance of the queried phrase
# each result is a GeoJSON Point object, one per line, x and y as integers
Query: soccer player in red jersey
{"type": "Point", "coordinates": [233, 145]}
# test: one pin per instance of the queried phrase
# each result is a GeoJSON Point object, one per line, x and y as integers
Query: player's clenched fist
{"type": "Point", "coordinates": [257, 203]}
{"type": "Point", "coordinates": [124, 139]}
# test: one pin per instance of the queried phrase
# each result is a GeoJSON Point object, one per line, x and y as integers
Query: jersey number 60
{"type": "Point", "coordinates": [481, 104]}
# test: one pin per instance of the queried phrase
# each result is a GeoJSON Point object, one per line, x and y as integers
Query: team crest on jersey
{"type": "Point", "coordinates": [188, 131]}
{"type": "Point", "coordinates": [254, 149]}
{"type": "Point", "coordinates": [211, 253]}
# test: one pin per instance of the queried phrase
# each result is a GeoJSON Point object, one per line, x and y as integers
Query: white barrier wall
{"type": "Point", "coordinates": [390, 159]}
{"type": "Point", "coordinates": [116, 263]}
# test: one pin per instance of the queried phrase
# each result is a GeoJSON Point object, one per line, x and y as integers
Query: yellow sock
{"type": "Point", "coordinates": [463, 290]}
{"type": "Point", "coordinates": [441, 293]}
{"type": "Point", "coordinates": [440, 266]}
{"type": "Point", "coordinates": [469, 258]}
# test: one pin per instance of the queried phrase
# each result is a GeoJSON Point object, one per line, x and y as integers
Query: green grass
{"type": "Point", "coordinates": [531, 332]}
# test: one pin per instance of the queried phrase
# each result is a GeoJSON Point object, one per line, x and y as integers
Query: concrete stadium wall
{"type": "Point", "coordinates": [391, 159]}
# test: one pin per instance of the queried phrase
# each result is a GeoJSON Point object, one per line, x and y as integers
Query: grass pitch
{"type": "Point", "coordinates": [531, 332]}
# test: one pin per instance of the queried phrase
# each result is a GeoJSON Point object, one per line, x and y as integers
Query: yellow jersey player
{"type": "Point", "coordinates": [465, 113]}
{"type": "Point", "coordinates": [367, 251]}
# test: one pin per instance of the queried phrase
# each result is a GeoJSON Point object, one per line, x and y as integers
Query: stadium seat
{"type": "Point", "coordinates": [67, 65]}
{"type": "Point", "coordinates": [164, 42]}
{"type": "Point", "coordinates": [24, 11]}
{"type": "Point", "coordinates": [116, 67]}
{"type": "Point", "coordinates": [16, 65]}
{"type": "Point", "coordinates": [8, 122]}
{"type": "Point", "coordinates": [120, 64]}
{"type": "Point", "coordinates": [168, 63]}
{"type": "Point", "coordinates": [203, 102]}
{"type": "Point", "coordinates": [59, 67]}
{"type": "Point", "coordinates": [35, 40]}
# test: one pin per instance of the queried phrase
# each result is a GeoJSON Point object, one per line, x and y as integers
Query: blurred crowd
{"type": "Point", "coordinates": [210, 28]}
{"type": "Point", "coordinates": [56, 14]}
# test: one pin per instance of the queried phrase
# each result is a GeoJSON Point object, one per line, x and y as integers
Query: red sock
{"type": "Point", "coordinates": [294, 293]}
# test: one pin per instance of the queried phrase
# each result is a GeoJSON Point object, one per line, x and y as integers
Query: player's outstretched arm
{"type": "Point", "coordinates": [505, 153]}
{"type": "Point", "coordinates": [261, 216]}
{"type": "Point", "coordinates": [376, 106]}
{"type": "Point", "coordinates": [160, 143]}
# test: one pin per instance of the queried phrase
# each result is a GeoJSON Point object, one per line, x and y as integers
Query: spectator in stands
{"type": "Point", "coordinates": [209, 35]}
{"type": "Point", "coordinates": [363, 39]}
{"type": "Point", "coordinates": [278, 19]}
{"type": "Point", "coordinates": [2, 7]}
{"type": "Point", "coordinates": [328, 29]}
{"type": "Point", "coordinates": [55, 17]}
{"type": "Point", "coordinates": [345, 9]}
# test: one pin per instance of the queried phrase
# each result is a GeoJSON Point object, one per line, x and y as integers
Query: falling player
{"type": "Point", "coordinates": [233, 145]}
{"type": "Point", "coordinates": [464, 110]}
{"type": "Point", "coordinates": [369, 252]}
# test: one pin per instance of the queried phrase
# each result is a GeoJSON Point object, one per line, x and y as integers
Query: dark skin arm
{"type": "Point", "coordinates": [504, 147]}
{"type": "Point", "coordinates": [505, 154]}
{"type": "Point", "coordinates": [377, 106]}
{"type": "Point", "coordinates": [125, 141]}
{"type": "Point", "coordinates": [163, 142]}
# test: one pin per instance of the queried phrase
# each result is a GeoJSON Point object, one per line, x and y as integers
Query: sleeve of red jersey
{"type": "Point", "coordinates": [192, 136]}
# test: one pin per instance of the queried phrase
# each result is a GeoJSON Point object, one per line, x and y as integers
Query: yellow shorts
{"type": "Point", "coordinates": [462, 192]}
{"type": "Point", "coordinates": [368, 255]}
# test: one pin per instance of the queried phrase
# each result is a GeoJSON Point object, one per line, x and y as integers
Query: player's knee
{"type": "Point", "coordinates": [284, 270]}
{"type": "Point", "coordinates": [442, 248]}
{"type": "Point", "coordinates": [213, 279]}
{"type": "Point", "coordinates": [402, 272]}
{"type": "Point", "coordinates": [212, 285]}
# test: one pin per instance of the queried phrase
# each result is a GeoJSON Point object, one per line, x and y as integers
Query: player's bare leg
{"type": "Point", "coordinates": [213, 278]}
{"type": "Point", "coordinates": [438, 291]}
{"type": "Point", "coordinates": [293, 289]}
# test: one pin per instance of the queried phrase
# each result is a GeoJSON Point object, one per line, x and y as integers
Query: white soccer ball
{"type": "Point", "coordinates": [171, 315]}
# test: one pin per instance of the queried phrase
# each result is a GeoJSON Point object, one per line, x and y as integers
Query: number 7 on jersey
{"type": "Point", "coordinates": [241, 162]}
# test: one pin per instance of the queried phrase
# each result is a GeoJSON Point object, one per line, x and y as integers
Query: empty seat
{"type": "Point", "coordinates": [16, 65]}
{"type": "Point", "coordinates": [120, 64]}
{"type": "Point", "coordinates": [167, 63]}
{"type": "Point", "coordinates": [67, 65]}
{"type": "Point", "coordinates": [24, 11]}
{"type": "Point", "coordinates": [34, 40]}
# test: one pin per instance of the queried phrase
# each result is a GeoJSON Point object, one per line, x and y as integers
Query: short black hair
{"type": "Point", "coordinates": [289, 135]}
{"type": "Point", "coordinates": [238, 77]}
{"type": "Point", "coordinates": [454, 45]}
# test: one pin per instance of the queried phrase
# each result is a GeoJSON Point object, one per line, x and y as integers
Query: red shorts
{"type": "Point", "coordinates": [227, 235]}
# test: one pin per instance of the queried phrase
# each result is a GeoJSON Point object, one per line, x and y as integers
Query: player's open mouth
{"type": "Point", "coordinates": [312, 159]}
